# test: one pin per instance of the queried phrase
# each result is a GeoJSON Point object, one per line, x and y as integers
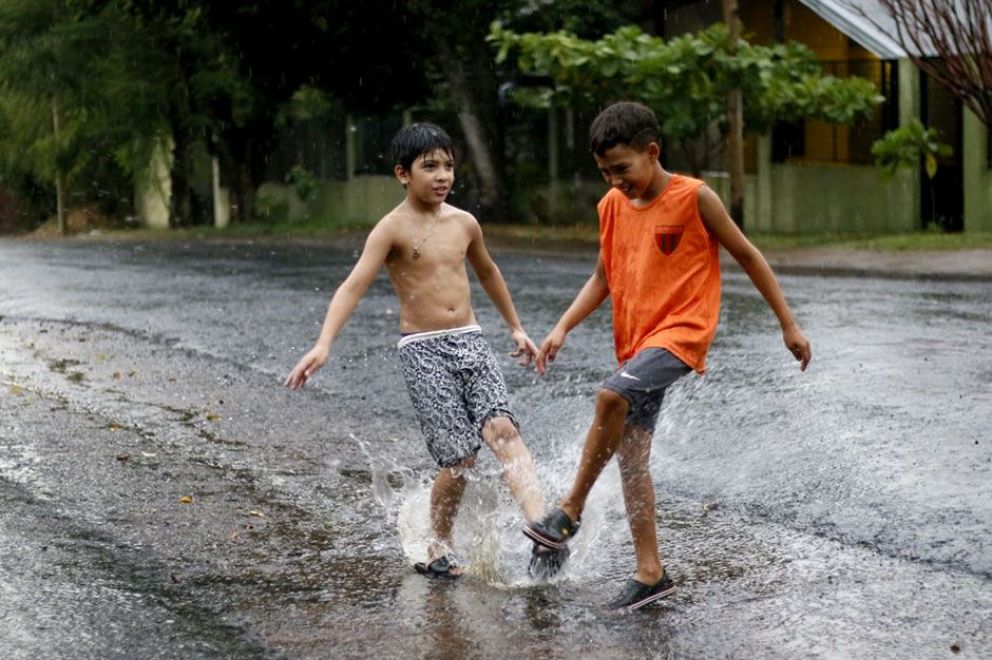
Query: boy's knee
{"type": "Point", "coordinates": [609, 402]}
{"type": "Point", "coordinates": [500, 430]}
{"type": "Point", "coordinates": [458, 469]}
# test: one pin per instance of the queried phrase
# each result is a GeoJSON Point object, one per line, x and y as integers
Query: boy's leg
{"type": "Point", "coordinates": [601, 443]}
{"type": "Point", "coordinates": [446, 496]}
{"type": "Point", "coordinates": [502, 436]}
{"type": "Point", "coordinates": [633, 457]}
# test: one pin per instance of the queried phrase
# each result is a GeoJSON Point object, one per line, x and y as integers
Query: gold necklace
{"type": "Point", "coordinates": [418, 244]}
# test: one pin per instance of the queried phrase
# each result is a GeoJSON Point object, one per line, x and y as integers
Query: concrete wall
{"type": "Point", "coordinates": [153, 193]}
{"type": "Point", "coordinates": [798, 198]}
{"type": "Point", "coordinates": [977, 175]}
{"type": "Point", "coordinates": [363, 199]}
{"type": "Point", "coordinates": [811, 199]}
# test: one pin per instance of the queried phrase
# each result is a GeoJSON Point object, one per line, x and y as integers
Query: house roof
{"type": "Point", "coordinates": [863, 21]}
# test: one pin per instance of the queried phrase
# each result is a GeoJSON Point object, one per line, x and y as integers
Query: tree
{"type": "Point", "coordinates": [468, 79]}
{"type": "Point", "coordinates": [685, 79]}
{"type": "Point", "coordinates": [950, 41]}
{"type": "Point", "coordinates": [77, 106]}
{"type": "Point", "coordinates": [129, 75]}
{"type": "Point", "coordinates": [735, 119]}
{"type": "Point", "coordinates": [365, 54]}
{"type": "Point", "coordinates": [905, 147]}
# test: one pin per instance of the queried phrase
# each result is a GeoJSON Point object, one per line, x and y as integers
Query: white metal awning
{"type": "Point", "coordinates": [873, 29]}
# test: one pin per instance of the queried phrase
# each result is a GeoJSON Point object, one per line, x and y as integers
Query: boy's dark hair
{"type": "Point", "coordinates": [625, 122]}
{"type": "Point", "coordinates": [411, 142]}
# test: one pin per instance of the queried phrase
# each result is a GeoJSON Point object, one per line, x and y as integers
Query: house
{"type": "Point", "coordinates": [817, 177]}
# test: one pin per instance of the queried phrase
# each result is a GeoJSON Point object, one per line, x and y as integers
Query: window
{"type": "Point", "coordinates": [815, 140]}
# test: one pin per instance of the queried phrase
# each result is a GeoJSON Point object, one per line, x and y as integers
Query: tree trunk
{"type": "Point", "coordinates": [735, 120]}
{"type": "Point", "coordinates": [180, 206]}
{"type": "Point", "coordinates": [242, 194]}
{"type": "Point", "coordinates": [475, 133]}
{"type": "Point", "coordinates": [479, 129]}
{"type": "Point", "coordinates": [242, 168]}
{"type": "Point", "coordinates": [59, 174]}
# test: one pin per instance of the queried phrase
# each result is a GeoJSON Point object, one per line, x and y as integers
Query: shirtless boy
{"type": "Point", "coordinates": [451, 374]}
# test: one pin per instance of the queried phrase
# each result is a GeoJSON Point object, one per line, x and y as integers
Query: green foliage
{"type": "Point", "coordinates": [905, 146]}
{"type": "Point", "coordinates": [304, 183]}
{"type": "Point", "coordinates": [271, 210]}
{"type": "Point", "coordinates": [100, 74]}
{"type": "Point", "coordinates": [684, 79]}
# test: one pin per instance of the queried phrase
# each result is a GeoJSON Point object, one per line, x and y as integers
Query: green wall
{"type": "Point", "coordinates": [977, 175]}
{"type": "Point", "coordinates": [820, 199]}
{"type": "Point", "coordinates": [362, 200]}
{"type": "Point", "coordinates": [811, 198]}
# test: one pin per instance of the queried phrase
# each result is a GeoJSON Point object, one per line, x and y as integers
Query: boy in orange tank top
{"type": "Point", "coordinates": [660, 235]}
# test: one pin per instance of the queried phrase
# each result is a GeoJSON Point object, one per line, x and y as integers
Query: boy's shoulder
{"type": "Point", "coordinates": [678, 186]}
{"type": "Point", "coordinates": [396, 224]}
{"type": "Point", "coordinates": [461, 214]}
{"type": "Point", "coordinates": [458, 217]}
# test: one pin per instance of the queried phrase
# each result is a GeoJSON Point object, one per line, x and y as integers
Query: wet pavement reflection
{"type": "Point", "coordinates": [164, 496]}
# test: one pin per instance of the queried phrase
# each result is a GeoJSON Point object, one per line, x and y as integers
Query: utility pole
{"type": "Point", "coordinates": [735, 121]}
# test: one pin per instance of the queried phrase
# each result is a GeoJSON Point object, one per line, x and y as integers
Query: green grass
{"type": "Point", "coordinates": [922, 240]}
{"type": "Point", "coordinates": [565, 237]}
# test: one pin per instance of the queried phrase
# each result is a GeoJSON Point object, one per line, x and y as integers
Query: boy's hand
{"type": "Point", "coordinates": [526, 350]}
{"type": "Point", "coordinates": [549, 349]}
{"type": "Point", "coordinates": [798, 345]}
{"type": "Point", "coordinates": [306, 367]}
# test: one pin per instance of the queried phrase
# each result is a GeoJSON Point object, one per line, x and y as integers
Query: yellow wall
{"type": "Point", "coordinates": [825, 142]}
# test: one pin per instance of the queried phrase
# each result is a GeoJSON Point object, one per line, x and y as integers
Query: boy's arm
{"type": "Point", "coordinates": [495, 287]}
{"type": "Point", "coordinates": [343, 303]}
{"type": "Point", "coordinates": [718, 221]}
{"type": "Point", "coordinates": [589, 298]}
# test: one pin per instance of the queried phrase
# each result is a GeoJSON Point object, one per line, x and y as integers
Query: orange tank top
{"type": "Point", "coordinates": [663, 269]}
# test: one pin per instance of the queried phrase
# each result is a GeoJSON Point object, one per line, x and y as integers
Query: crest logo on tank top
{"type": "Point", "coordinates": [667, 237]}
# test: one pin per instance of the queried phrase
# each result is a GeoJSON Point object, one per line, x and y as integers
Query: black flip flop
{"type": "Point", "coordinates": [442, 567]}
{"type": "Point", "coordinates": [546, 562]}
{"type": "Point", "coordinates": [553, 531]}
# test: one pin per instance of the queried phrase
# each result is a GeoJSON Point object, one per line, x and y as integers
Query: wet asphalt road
{"type": "Point", "coordinates": [163, 496]}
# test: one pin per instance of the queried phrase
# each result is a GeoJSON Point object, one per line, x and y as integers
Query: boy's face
{"type": "Point", "coordinates": [629, 168]}
{"type": "Point", "coordinates": [430, 177]}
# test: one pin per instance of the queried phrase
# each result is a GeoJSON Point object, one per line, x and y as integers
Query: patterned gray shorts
{"type": "Point", "coordinates": [456, 387]}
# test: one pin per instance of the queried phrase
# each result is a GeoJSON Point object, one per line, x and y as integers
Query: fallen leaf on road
{"type": "Point", "coordinates": [212, 417]}
{"type": "Point", "coordinates": [15, 390]}
{"type": "Point", "coordinates": [186, 499]}
{"type": "Point", "coordinates": [123, 457]}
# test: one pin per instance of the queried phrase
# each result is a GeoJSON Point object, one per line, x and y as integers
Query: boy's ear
{"type": "Point", "coordinates": [401, 174]}
{"type": "Point", "coordinates": [654, 150]}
